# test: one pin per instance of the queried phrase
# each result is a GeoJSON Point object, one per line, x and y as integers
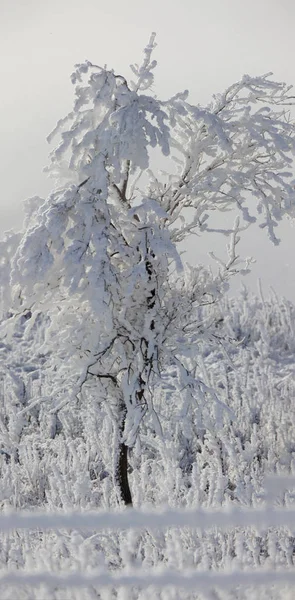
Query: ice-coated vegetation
{"type": "Point", "coordinates": [130, 378]}
{"type": "Point", "coordinates": [191, 465]}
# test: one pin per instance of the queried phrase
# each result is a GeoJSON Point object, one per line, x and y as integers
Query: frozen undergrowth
{"type": "Point", "coordinates": [190, 465]}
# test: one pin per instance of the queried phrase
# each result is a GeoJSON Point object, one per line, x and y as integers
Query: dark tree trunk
{"type": "Point", "coordinates": [123, 475]}
{"type": "Point", "coordinates": [122, 462]}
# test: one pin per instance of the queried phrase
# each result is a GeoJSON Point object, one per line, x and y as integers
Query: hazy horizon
{"type": "Point", "coordinates": [201, 46]}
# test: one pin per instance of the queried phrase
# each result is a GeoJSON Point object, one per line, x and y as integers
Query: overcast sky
{"type": "Point", "coordinates": [202, 45]}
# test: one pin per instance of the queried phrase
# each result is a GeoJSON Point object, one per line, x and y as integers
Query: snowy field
{"type": "Point", "coordinates": [245, 576]}
{"type": "Point", "coordinates": [221, 530]}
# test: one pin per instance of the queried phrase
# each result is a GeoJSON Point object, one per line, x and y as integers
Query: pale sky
{"type": "Point", "coordinates": [202, 45]}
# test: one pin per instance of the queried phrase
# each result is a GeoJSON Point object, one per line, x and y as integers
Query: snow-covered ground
{"type": "Point", "coordinates": [216, 535]}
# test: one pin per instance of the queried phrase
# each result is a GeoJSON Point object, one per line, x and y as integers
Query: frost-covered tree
{"type": "Point", "coordinates": [100, 256]}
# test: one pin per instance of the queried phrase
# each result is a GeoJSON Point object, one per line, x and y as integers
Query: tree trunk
{"type": "Point", "coordinates": [122, 476]}
{"type": "Point", "coordinates": [122, 462]}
